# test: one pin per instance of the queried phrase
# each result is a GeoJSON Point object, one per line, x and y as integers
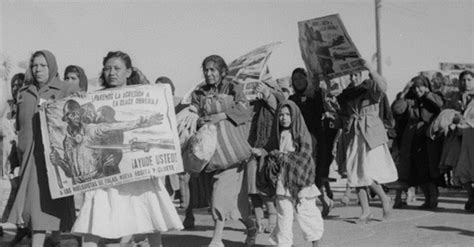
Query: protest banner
{"type": "Point", "coordinates": [456, 66]}
{"type": "Point", "coordinates": [327, 49]}
{"type": "Point", "coordinates": [110, 137]}
{"type": "Point", "coordinates": [251, 68]}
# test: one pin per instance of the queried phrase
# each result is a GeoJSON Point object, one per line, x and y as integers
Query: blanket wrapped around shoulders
{"type": "Point", "coordinates": [297, 169]}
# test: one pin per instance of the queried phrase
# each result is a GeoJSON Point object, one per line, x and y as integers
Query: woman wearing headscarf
{"type": "Point", "coordinates": [419, 154]}
{"type": "Point", "coordinates": [368, 160]}
{"type": "Point", "coordinates": [312, 109]}
{"type": "Point", "coordinates": [33, 204]}
{"type": "Point", "coordinates": [76, 75]}
{"type": "Point", "coordinates": [289, 173]}
{"type": "Point", "coordinates": [141, 207]}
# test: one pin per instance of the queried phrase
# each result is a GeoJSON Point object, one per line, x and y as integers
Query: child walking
{"type": "Point", "coordinates": [290, 169]}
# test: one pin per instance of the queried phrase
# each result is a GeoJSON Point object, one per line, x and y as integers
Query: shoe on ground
{"type": "Point", "coordinates": [188, 223]}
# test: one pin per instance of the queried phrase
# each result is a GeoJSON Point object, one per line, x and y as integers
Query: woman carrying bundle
{"type": "Point", "coordinates": [227, 200]}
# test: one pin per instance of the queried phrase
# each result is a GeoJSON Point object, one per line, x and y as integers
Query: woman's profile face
{"type": "Point", "coordinates": [72, 77]}
{"type": "Point", "coordinates": [116, 72]}
{"type": "Point", "coordinates": [16, 85]}
{"type": "Point", "coordinates": [284, 117]}
{"type": "Point", "coordinates": [40, 69]}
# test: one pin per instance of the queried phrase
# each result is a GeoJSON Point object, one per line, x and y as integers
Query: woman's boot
{"type": "Point", "coordinates": [469, 206]}
{"type": "Point", "coordinates": [426, 193]}
{"type": "Point", "coordinates": [434, 194]}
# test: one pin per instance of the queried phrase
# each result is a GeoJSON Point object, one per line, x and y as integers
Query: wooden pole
{"type": "Point", "coordinates": [378, 5]}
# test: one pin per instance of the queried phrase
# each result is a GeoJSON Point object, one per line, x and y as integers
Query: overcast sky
{"type": "Point", "coordinates": [171, 38]}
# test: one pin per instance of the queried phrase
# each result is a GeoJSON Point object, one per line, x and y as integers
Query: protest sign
{"type": "Point", "coordinates": [110, 137]}
{"type": "Point", "coordinates": [456, 66]}
{"type": "Point", "coordinates": [251, 68]}
{"type": "Point", "coordinates": [327, 49]}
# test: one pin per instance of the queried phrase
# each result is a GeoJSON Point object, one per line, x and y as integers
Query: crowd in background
{"type": "Point", "coordinates": [285, 145]}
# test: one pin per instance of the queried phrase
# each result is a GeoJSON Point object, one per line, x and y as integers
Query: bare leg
{"type": "Point", "coordinates": [411, 194]}
{"type": "Point", "coordinates": [257, 204]}
{"type": "Point", "coordinates": [128, 240]}
{"type": "Point", "coordinates": [218, 230]}
{"type": "Point", "coordinates": [327, 204]}
{"type": "Point", "coordinates": [377, 188]}
{"type": "Point", "coordinates": [272, 215]}
{"type": "Point", "coordinates": [38, 239]}
{"type": "Point", "coordinates": [345, 199]}
{"type": "Point", "coordinates": [364, 202]}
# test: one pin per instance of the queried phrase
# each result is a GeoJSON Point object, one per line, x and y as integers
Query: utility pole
{"type": "Point", "coordinates": [378, 5]}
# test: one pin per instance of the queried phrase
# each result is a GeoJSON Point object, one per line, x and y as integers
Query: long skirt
{"type": "Point", "coordinates": [229, 195]}
{"type": "Point", "coordinates": [200, 190]}
{"type": "Point", "coordinates": [324, 157]}
{"type": "Point", "coordinates": [365, 165]}
{"type": "Point", "coordinates": [34, 206]}
{"type": "Point", "coordinates": [464, 170]}
{"type": "Point", "coordinates": [138, 207]}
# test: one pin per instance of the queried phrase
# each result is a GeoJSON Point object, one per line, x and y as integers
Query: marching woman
{"type": "Point", "coordinates": [142, 207]}
{"type": "Point", "coordinates": [227, 200]}
{"type": "Point", "coordinates": [464, 163]}
{"type": "Point", "coordinates": [312, 108]}
{"type": "Point", "coordinates": [33, 204]}
{"type": "Point", "coordinates": [419, 154]}
{"type": "Point", "coordinates": [368, 160]}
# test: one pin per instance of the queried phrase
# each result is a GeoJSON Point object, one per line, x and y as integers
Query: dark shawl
{"type": "Point", "coordinates": [262, 120]}
{"type": "Point", "coordinates": [352, 92]}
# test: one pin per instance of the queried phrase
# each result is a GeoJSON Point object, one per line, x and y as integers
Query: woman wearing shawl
{"type": "Point", "coordinates": [458, 152]}
{"type": "Point", "coordinates": [76, 75]}
{"type": "Point", "coordinates": [33, 204]}
{"type": "Point", "coordinates": [419, 154]}
{"type": "Point", "coordinates": [289, 169]}
{"type": "Point", "coordinates": [312, 108]}
{"type": "Point", "coordinates": [227, 201]}
{"type": "Point", "coordinates": [141, 207]}
{"type": "Point", "coordinates": [368, 160]}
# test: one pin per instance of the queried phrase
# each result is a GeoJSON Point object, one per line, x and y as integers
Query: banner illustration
{"type": "Point", "coordinates": [327, 48]}
{"type": "Point", "coordinates": [110, 137]}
